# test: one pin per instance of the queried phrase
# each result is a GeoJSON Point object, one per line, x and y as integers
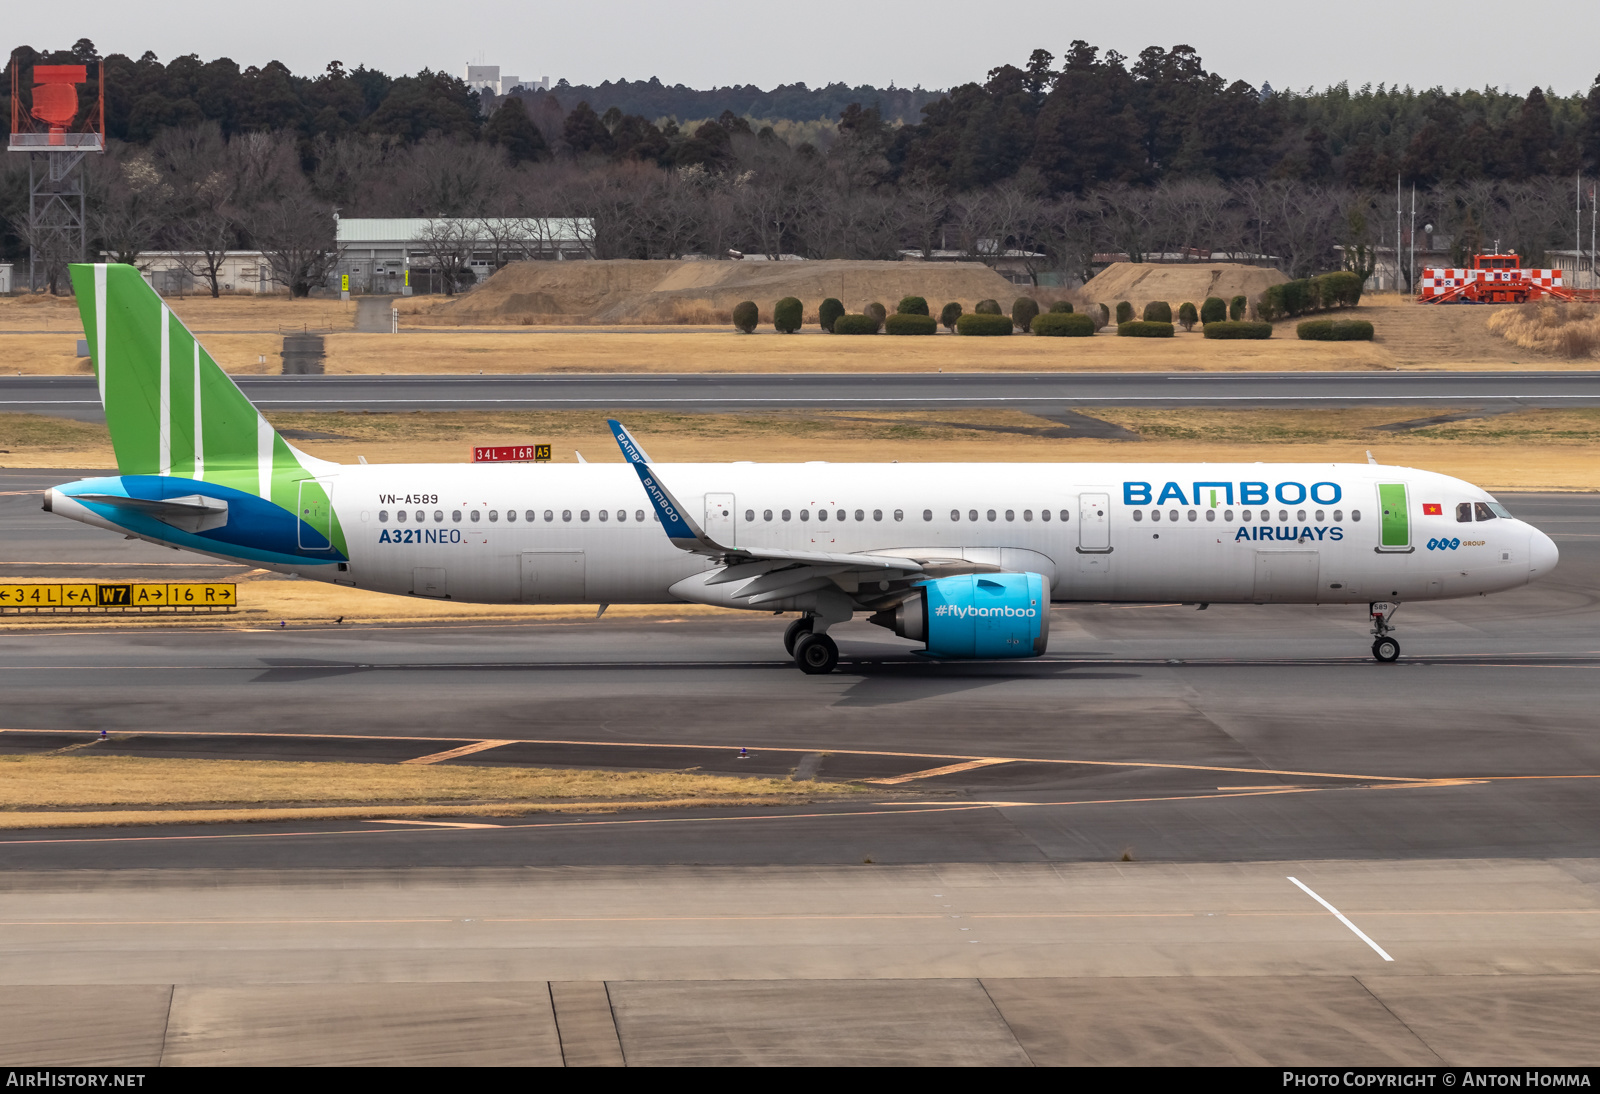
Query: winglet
{"type": "Point", "coordinates": [681, 529]}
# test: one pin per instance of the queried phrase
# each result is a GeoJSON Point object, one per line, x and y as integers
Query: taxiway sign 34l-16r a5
{"type": "Point", "coordinates": [964, 559]}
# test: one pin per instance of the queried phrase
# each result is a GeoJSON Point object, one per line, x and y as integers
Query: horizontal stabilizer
{"type": "Point", "coordinates": [193, 513]}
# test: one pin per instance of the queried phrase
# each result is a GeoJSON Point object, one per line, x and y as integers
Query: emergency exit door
{"type": "Point", "coordinates": [1094, 523]}
{"type": "Point", "coordinates": [721, 519]}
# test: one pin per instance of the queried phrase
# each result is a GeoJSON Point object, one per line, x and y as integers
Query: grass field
{"type": "Point", "coordinates": [77, 789]}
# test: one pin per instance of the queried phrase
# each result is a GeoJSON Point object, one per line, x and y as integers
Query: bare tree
{"type": "Point", "coordinates": [296, 234]}
{"type": "Point", "coordinates": [130, 206]}
{"type": "Point", "coordinates": [449, 243]}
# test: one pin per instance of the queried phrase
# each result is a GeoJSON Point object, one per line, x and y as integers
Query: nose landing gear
{"type": "Point", "coordinates": [1384, 647]}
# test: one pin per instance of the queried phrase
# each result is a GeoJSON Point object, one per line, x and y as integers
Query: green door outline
{"type": "Point", "coordinates": [1395, 509]}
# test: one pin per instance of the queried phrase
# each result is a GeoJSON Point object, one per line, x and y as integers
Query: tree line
{"type": "Point", "coordinates": [1055, 164]}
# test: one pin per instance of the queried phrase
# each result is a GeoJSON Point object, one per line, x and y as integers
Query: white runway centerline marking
{"type": "Point", "coordinates": [1337, 914]}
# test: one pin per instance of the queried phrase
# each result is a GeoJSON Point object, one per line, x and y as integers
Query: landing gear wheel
{"type": "Point", "coordinates": [792, 634]}
{"type": "Point", "coordinates": [1386, 649]}
{"type": "Point", "coordinates": [816, 654]}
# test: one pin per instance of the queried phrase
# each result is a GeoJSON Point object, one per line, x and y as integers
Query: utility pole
{"type": "Point", "coordinates": [1397, 208]}
{"type": "Point", "coordinates": [1412, 268]}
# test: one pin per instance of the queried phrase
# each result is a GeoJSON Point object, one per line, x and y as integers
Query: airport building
{"type": "Point", "coordinates": [401, 254]}
{"type": "Point", "coordinates": [488, 78]}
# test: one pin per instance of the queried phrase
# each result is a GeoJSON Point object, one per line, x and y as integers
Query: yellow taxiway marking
{"type": "Point", "coordinates": [450, 754]}
{"type": "Point", "coordinates": [950, 769]}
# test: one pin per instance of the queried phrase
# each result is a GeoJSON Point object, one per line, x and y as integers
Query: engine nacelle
{"type": "Point", "coordinates": [975, 615]}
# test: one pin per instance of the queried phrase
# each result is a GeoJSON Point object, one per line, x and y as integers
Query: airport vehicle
{"type": "Point", "coordinates": [963, 558]}
{"type": "Point", "coordinates": [1491, 279]}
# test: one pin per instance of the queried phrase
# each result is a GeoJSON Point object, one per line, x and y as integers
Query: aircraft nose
{"type": "Point", "coordinates": [1542, 554]}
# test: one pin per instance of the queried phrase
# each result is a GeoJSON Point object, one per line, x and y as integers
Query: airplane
{"type": "Point", "coordinates": [965, 559]}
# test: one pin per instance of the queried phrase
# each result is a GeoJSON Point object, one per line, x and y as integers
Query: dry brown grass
{"type": "Point", "coordinates": [1551, 326]}
{"type": "Point", "coordinates": [240, 312]}
{"type": "Point", "coordinates": [81, 788]}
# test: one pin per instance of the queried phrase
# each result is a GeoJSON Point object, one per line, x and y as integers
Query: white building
{"type": "Point", "coordinates": [391, 255]}
{"type": "Point", "coordinates": [5, 277]}
{"type": "Point", "coordinates": [178, 273]}
{"type": "Point", "coordinates": [487, 77]}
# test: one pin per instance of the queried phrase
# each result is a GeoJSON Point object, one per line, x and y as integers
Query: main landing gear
{"type": "Point", "coordinates": [816, 654]}
{"type": "Point", "coordinates": [1384, 647]}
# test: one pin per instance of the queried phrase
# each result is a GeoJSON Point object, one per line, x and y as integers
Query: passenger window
{"type": "Point", "coordinates": [566, 515]}
{"type": "Point", "coordinates": [400, 515]}
{"type": "Point", "coordinates": [622, 514]}
{"type": "Point", "coordinates": [438, 517]}
{"type": "Point", "coordinates": [1464, 513]}
{"type": "Point", "coordinates": [1283, 515]}
{"type": "Point", "coordinates": [1300, 515]}
{"type": "Point", "coordinates": [1227, 515]}
{"type": "Point", "coordinates": [1484, 512]}
{"type": "Point", "coordinates": [1244, 515]}
{"type": "Point", "coordinates": [1338, 515]}
{"type": "Point", "coordinates": [805, 514]}
{"type": "Point", "coordinates": [511, 515]}
{"type": "Point", "coordinates": [1044, 514]}
{"type": "Point", "coordinates": [383, 516]}
{"type": "Point", "coordinates": [927, 514]}
{"type": "Point", "coordinates": [1355, 515]}
{"type": "Point", "coordinates": [602, 514]}
{"type": "Point", "coordinates": [1155, 514]}
{"type": "Point", "coordinates": [1211, 515]}
{"type": "Point", "coordinates": [749, 515]}
{"type": "Point", "coordinates": [1172, 514]}
{"type": "Point", "coordinates": [991, 514]}
{"type": "Point", "coordinates": [1320, 516]}
{"type": "Point", "coordinates": [786, 514]}
{"type": "Point", "coordinates": [583, 514]}
{"type": "Point", "coordinates": [766, 514]}
{"type": "Point", "coordinates": [860, 515]}
{"type": "Point", "coordinates": [530, 516]}
{"type": "Point", "coordinates": [1063, 516]}
{"type": "Point", "coordinates": [1265, 515]}
{"type": "Point", "coordinates": [972, 514]}
{"type": "Point", "coordinates": [838, 516]}
{"type": "Point", "coordinates": [1011, 515]}
{"type": "Point", "coordinates": [476, 516]}
{"type": "Point", "coordinates": [955, 514]}
{"type": "Point", "coordinates": [494, 515]}
{"type": "Point", "coordinates": [1138, 515]}
{"type": "Point", "coordinates": [900, 514]}
{"type": "Point", "coordinates": [1193, 516]}
{"type": "Point", "coordinates": [638, 515]}
{"type": "Point", "coordinates": [1027, 515]}
{"type": "Point", "coordinates": [877, 514]}
{"type": "Point", "coordinates": [455, 516]}
{"type": "Point", "coordinates": [549, 516]}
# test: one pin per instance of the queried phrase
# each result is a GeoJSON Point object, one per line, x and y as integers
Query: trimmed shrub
{"type": "Point", "coordinates": [1057, 324]}
{"type": "Point", "coordinates": [1100, 314]}
{"type": "Point", "coordinates": [1334, 330]}
{"type": "Point", "coordinates": [1235, 328]}
{"type": "Point", "coordinates": [987, 307]}
{"type": "Point", "coordinates": [1023, 309]}
{"type": "Point", "coordinates": [877, 311]}
{"type": "Point", "coordinates": [1188, 316]}
{"type": "Point", "coordinates": [855, 324]}
{"type": "Point", "coordinates": [1340, 289]}
{"type": "Point", "coordinates": [910, 323]}
{"type": "Point", "coordinates": [1157, 311]}
{"type": "Point", "coordinates": [746, 315]}
{"type": "Point", "coordinates": [787, 315]}
{"type": "Point", "coordinates": [1144, 328]}
{"type": "Point", "coordinates": [948, 316]}
{"type": "Point", "coordinates": [1236, 308]}
{"type": "Point", "coordinates": [1061, 307]}
{"type": "Point", "coordinates": [829, 310]}
{"type": "Point", "coordinates": [1213, 309]}
{"type": "Point", "coordinates": [1124, 312]}
{"type": "Point", "coordinates": [985, 323]}
{"type": "Point", "coordinates": [912, 305]}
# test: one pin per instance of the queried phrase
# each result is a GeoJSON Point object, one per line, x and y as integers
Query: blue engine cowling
{"type": "Point", "coordinates": [975, 615]}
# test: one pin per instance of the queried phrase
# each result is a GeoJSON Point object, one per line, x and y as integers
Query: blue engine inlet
{"type": "Point", "coordinates": [975, 615]}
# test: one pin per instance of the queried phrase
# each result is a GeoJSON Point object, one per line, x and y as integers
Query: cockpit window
{"type": "Point", "coordinates": [1490, 510]}
{"type": "Point", "coordinates": [1463, 512]}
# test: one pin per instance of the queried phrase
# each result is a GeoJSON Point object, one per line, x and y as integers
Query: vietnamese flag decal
{"type": "Point", "coordinates": [1432, 509]}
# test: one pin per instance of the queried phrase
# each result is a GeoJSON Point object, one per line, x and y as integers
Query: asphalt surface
{"type": "Point", "coordinates": [1087, 857]}
{"type": "Point", "coordinates": [75, 396]}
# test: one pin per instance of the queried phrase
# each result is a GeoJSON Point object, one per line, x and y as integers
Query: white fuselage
{"type": "Point", "coordinates": [1115, 532]}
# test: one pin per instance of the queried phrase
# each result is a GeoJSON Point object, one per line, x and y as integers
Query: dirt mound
{"type": "Point", "coordinates": [1141, 282]}
{"type": "Point", "coordinates": [640, 291]}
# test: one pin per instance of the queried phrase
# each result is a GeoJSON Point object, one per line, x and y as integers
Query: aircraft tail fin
{"type": "Point", "coordinates": [170, 408]}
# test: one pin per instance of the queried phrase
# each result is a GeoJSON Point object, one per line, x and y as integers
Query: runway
{"type": "Point", "coordinates": [75, 396]}
{"type": "Point", "coordinates": [1089, 861]}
